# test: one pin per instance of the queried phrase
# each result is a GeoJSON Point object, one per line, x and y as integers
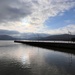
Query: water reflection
{"type": "Point", "coordinates": [19, 59]}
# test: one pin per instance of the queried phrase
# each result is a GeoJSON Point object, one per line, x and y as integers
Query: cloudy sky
{"type": "Point", "coordinates": [38, 16]}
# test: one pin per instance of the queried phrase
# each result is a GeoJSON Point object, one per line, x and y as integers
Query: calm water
{"type": "Point", "coordinates": [21, 59]}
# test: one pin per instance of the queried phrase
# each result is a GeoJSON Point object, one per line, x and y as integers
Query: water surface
{"type": "Point", "coordinates": [21, 59]}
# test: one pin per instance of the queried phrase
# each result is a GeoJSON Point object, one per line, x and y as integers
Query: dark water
{"type": "Point", "coordinates": [21, 59]}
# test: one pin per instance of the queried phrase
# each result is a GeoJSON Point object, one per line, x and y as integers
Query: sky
{"type": "Point", "coordinates": [38, 16]}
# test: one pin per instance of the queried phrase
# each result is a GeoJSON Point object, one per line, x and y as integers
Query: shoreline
{"type": "Point", "coordinates": [49, 44]}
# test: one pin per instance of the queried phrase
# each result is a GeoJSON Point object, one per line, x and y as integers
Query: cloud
{"type": "Point", "coordinates": [38, 29]}
{"type": "Point", "coordinates": [9, 32]}
{"type": "Point", "coordinates": [12, 12]}
{"type": "Point", "coordinates": [44, 9]}
{"type": "Point", "coordinates": [37, 10]}
{"type": "Point", "coordinates": [62, 30]}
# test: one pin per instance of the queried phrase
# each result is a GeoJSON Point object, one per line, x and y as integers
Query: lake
{"type": "Point", "coordinates": [22, 59]}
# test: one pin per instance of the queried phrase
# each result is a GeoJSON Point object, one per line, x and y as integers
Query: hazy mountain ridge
{"type": "Point", "coordinates": [6, 37]}
{"type": "Point", "coordinates": [22, 36]}
{"type": "Point", "coordinates": [62, 37]}
{"type": "Point", "coordinates": [15, 35]}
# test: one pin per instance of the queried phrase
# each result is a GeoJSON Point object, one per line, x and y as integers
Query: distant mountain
{"type": "Point", "coordinates": [23, 36]}
{"type": "Point", "coordinates": [15, 35]}
{"type": "Point", "coordinates": [62, 37]}
{"type": "Point", "coordinates": [32, 35]}
{"type": "Point", "coordinates": [6, 37]}
{"type": "Point", "coordinates": [11, 34]}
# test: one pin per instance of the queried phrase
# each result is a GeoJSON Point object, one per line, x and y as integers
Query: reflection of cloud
{"type": "Point", "coordinates": [25, 59]}
{"type": "Point", "coordinates": [34, 59]}
{"type": "Point", "coordinates": [16, 54]}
